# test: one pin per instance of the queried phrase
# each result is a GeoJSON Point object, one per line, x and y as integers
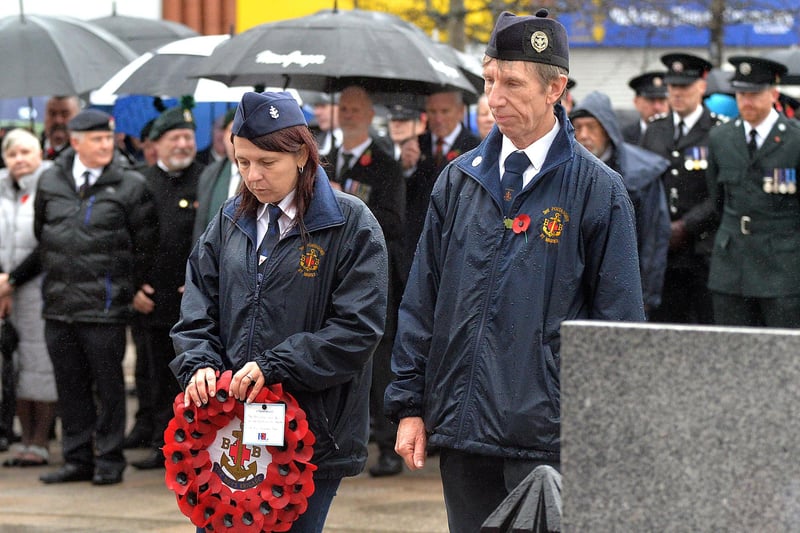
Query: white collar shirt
{"type": "Point", "coordinates": [536, 152]}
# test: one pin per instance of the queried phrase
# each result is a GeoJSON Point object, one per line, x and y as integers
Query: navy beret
{"type": "Point", "coordinates": [684, 69]}
{"type": "Point", "coordinates": [754, 74]}
{"type": "Point", "coordinates": [91, 120]}
{"type": "Point", "coordinates": [538, 39]}
{"type": "Point", "coordinates": [261, 113]}
{"type": "Point", "coordinates": [173, 118]}
{"type": "Point", "coordinates": [649, 85]}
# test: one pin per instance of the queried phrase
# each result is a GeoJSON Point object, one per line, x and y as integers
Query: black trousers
{"type": "Point", "coordinates": [156, 346]}
{"type": "Point", "coordinates": [87, 363]}
{"type": "Point", "coordinates": [474, 485]}
{"type": "Point", "coordinates": [685, 298]}
{"type": "Point", "coordinates": [732, 310]}
{"type": "Point", "coordinates": [141, 374]}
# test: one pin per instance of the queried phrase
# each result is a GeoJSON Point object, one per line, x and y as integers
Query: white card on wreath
{"type": "Point", "coordinates": [264, 424]}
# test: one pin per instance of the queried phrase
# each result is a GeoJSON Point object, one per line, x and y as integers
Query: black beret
{"type": "Point", "coordinates": [91, 120]}
{"type": "Point", "coordinates": [173, 118]}
{"type": "Point", "coordinates": [684, 69]}
{"type": "Point", "coordinates": [754, 74]}
{"type": "Point", "coordinates": [144, 134]}
{"type": "Point", "coordinates": [649, 85]}
{"type": "Point", "coordinates": [525, 38]}
{"type": "Point", "coordinates": [401, 112]}
{"type": "Point", "coordinates": [262, 113]}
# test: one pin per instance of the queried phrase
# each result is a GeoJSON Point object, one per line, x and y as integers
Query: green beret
{"type": "Point", "coordinates": [173, 118]}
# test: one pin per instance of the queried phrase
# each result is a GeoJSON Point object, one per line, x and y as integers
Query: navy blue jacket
{"type": "Point", "coordinates": [477, 353]}
{"type": "Point", "coordinates": [311, 323]}
{"type": "Point", "coordinates": [641, 171]}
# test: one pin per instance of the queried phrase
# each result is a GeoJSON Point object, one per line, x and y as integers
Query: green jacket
{"type": "Point", "coordinates": [757, 247]}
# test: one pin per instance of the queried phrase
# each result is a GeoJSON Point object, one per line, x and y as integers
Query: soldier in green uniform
{"type": "Point", "coordinates": [681, 136]}
{"type": "Point", "coordinates": [752, 178]}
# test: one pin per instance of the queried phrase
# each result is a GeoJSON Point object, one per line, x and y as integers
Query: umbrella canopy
{"type": "Point", "coordinates": [719, 81]}
{"type": "Point", "coordinates": [332, 49]}
{"type": "Point", "coordinates": [163, 72]}
{"type": "Point", "coordinates": [56, 55]}
{"type": "Point", "coordinates": [143, 34]}
{"type": "Point", "coordinates": [789, 57]}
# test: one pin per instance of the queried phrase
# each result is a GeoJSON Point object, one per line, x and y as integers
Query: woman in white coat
{"type": "Point", "coordinates": [21, 298]}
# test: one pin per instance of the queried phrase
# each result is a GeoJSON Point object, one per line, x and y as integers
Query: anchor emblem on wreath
{"type": "Point", "coordinates": [238, 453]}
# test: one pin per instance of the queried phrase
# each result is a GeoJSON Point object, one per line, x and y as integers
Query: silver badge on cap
{"type": "Point", "coordinates": [539, 41]}
{"type": "Point", "coordinates": [187, 115]}
{"type": "Point", "coordinates": [745, 69]}
{"type": "Point", "coordinates": [658, 82]}
{"type": "Point", "coordinates": [273, 112]}
{"type": "Point", "coordinates": [677, 66]}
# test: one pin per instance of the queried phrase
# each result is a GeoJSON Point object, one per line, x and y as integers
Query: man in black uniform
{"type": "Point", "coordinates": [173, 180]}
{"type": "Point", "coordinates": [96, 225]}
{"type": "Point", "coordinates": [682, 137]}
{"type": "Point", "coordinates": [363, 168]}
{"type": "Point", "coordinates": [650, 99]}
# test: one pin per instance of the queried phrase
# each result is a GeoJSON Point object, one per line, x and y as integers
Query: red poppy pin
{"type": "Point", "coordinates": [366, 159]}
{"type": "Point", "coordinates": [452, 154]}
{"type": "Point", "coordinates": [519, 224]}
{"type": "Point", "coordinates": [24, 198]}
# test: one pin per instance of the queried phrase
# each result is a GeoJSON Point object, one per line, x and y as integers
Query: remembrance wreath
{"type": "Point", "coordinates": [220, 483]}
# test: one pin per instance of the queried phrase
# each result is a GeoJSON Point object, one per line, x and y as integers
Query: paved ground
{"type": "Point", "coordinates": [409, 503]}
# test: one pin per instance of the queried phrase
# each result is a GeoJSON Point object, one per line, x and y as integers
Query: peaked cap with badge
{"type": "Point", "coordinates": [91, 120]}
{"type": "Point", "coordinates": [174, 118]}
{"type": "Point", "coordinates": [402, 112]}
{"type": "Point", "coordinates": [525, 38]}
{"type": "Point", "coordinates": [754, 74]}
{"type": "Point", "coordinates": [261, 113]}
{"type": "Point", "coordinates": [649, 85]}
{"type": "Point", "coordinates": [684, 69]}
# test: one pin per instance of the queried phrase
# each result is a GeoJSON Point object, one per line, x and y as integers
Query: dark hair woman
{"type": "Point", "coordinates": [288, 285]}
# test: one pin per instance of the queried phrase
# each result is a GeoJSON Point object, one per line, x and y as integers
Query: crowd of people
{"type": "Point", "coordinates": [436, 262]}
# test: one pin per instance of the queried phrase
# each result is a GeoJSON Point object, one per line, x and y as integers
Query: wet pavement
{"type": "Point", "coordinates": [411, 502]}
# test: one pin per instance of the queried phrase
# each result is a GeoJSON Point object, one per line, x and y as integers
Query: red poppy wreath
{"type": "Point", "coordinates": [222, 484]}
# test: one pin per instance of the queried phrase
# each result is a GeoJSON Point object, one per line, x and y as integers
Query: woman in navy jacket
{"type": "Point", "coordinates": [306, 311]}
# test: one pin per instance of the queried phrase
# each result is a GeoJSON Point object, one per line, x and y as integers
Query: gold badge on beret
{"type": "Point", "coordinates": [539, 41]}
{"type": "Point", "coordinates": [187, 115]}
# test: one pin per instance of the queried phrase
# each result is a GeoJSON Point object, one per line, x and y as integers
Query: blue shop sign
{"type": "Point", "coordinates": [647, 24]}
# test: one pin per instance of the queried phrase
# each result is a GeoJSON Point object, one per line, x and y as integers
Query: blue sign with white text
{"type": "Point", "coordinates": [766, 23]}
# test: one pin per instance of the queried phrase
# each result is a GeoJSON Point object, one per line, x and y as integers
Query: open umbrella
{"type": "Point", "coordinates": [331, 49]}
{"type": "Point", "coordinates": [143, 34]}
{"type": "Point", "coordinates": [789, 57]}
{"type": "Point", "coordinates": [56, 55]}
{"type": "Point", "coordinates": [163, 72]}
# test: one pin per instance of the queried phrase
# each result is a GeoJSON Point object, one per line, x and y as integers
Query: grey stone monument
{"type": "Point", "coordinates": [679, 428]}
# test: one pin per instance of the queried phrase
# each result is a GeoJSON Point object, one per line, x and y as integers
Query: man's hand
{"type": "Point", "coordinates": [409, 153]}
{"type": "Point", "coordinates": [142, 301]}
{"type": "Point", "coordinates": [412, 442]}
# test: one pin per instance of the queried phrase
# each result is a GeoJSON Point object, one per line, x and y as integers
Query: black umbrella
{"type": "Point", "coordinates": [332, 49]}
{"type": "Point", "coordinates": [143, 34]}
{"type": "Point", "coordinates": [163, 72]}
{"type": "Point", "coordinates": [790, 57]}
{"type": "Point", "coordinates": [56, 55]}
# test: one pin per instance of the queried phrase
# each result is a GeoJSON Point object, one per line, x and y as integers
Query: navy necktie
{"type": "Point", "coordinates": [511, 184]}
{"type": "Point", "coordinates": [752, 146]}
{"type": "Point", "coordinates": [85, 185]}
{"type": "Point", "coordinates": [273, 234]}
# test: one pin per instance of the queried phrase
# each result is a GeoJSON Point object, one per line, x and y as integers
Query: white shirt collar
{"type": "Point", "coordinates": [763, 129]}
{"type": "Point", "coordinates": [358, 150]}
{"type": "Point", "coordinates": [536, 152]}
{"type": "Point", "coordinates": [78, 168]}
{"type": "Point", "coordinates": [689, 120]}
{"type": "Point", "coordinates": [448, 140]}
{"type": "Point", "coordinates": [286, 221]}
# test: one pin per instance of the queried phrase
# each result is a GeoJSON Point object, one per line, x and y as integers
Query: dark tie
{"type": "Point", "coordinates": [273, 234]}
{"type": "Point", "coordinates": [346, 159]}
{"type": "Point", "coordinates": [752, 146]}
{"type": "Point", "coordinates": [679, 136]}
{"type": "Point", "coordinates": [85, 185]}
{"type": "Point", "coordinates": [511, 184]}
{"type": "Point", "coordinates": [438, 154]}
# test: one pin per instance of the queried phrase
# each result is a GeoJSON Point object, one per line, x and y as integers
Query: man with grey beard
{"type": "Point", "coordinates": [173, 180]}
